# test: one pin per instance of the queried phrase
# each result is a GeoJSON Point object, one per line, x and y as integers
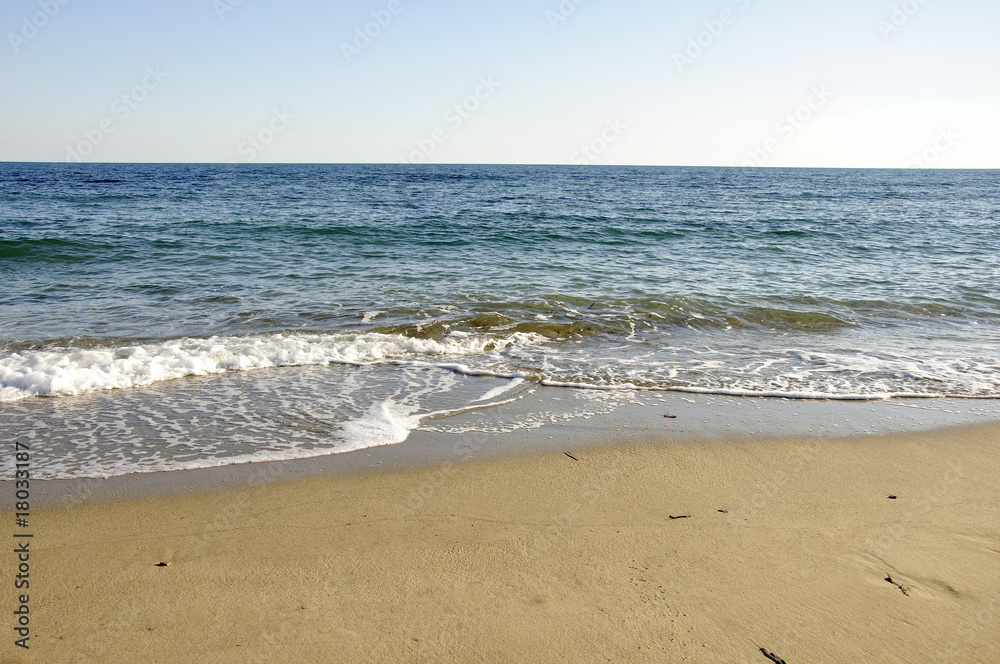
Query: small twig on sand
{"type": "Point", "coordinates": [771, 656]}
{"type": "Point", "coordinates": [682, 516]}
{"type": "Point", "coordinates": [898, 585]}
{"type": "Point", "coordinates": [571, 456]}
{"type": "Point", "coordinates": [670, 417]}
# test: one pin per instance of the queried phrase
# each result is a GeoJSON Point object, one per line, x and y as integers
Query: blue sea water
{"type": "Point", "coordinates": [334, 307]}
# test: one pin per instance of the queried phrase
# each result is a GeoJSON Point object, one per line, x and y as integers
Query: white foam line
{"type": "Point", "coordinates": [457, 368]}
{"type": "Point", "coordinates": [823, 396]}
{"type": "Point", "coordinates": [441, 414]}
{"type": "Point", "coordinates": [497, 391]}
{"type": "Point", "coordinates": [589, 386]}
{"type": "Point", "coordinates": [826, 396]}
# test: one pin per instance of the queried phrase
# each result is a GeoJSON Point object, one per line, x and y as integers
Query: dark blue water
{"type": "Point", "coordinates": [798, 282]}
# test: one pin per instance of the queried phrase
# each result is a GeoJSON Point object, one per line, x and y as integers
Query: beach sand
{"type": "Point", "coordinates": [785, 545]}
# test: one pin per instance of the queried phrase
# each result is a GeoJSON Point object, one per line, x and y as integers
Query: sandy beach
{"type": "Point", "coordinates": [645, 551]}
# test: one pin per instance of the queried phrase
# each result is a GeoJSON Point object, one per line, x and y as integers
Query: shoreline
{"type": "Point", "coordinates": [554, 419]}
{"type": "Point", "coordinates": [637, 550]}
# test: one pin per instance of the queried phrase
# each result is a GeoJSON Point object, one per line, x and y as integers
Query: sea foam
{"type": "Point", "coordinates": [71, 371]}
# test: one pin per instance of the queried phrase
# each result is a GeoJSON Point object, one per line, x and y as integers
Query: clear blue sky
{"type": "Point", "coordinates": [772, 82]}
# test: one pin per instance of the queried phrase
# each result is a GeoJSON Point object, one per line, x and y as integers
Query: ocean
{"type": "Point", "coordinates": [159, 317]}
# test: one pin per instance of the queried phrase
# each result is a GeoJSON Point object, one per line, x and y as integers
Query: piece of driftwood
{"type": "Point", "coordinates": [771, 656]}
{"type": "Point", "coordinates": [571, 456]}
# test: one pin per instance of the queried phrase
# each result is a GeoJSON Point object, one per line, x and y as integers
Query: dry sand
{"type": "Point", "coordinates": [547, 559]}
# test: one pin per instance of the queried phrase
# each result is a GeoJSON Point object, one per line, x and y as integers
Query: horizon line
{"type": "Point", "coordinates": [546, 165]}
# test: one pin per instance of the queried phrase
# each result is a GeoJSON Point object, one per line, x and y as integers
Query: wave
{"type": "Point", "coordinates": [566, 316]}
{"type": "Point", "coordinates": [52, 250]}
{"type": "Point", "coordinates": [540, 354]}
{"type": "Point", "coordinates": [73, 371]}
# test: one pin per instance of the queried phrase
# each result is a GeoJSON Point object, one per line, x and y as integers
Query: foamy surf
{"type": "Point", "coordinates": [66, 372]}
{"type": "Point", "coordinates": [384, 423]}
{"type": "Point", "coordinates": [238, 417]}
{"type": "Point", "coordinates": [592, 363]}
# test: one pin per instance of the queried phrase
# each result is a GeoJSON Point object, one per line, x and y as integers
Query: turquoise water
{"type": "Point", "coordinates": [422, 288]}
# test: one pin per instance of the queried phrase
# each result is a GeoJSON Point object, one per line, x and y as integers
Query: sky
{"type": "Point", "coordinates": [854, 83]}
